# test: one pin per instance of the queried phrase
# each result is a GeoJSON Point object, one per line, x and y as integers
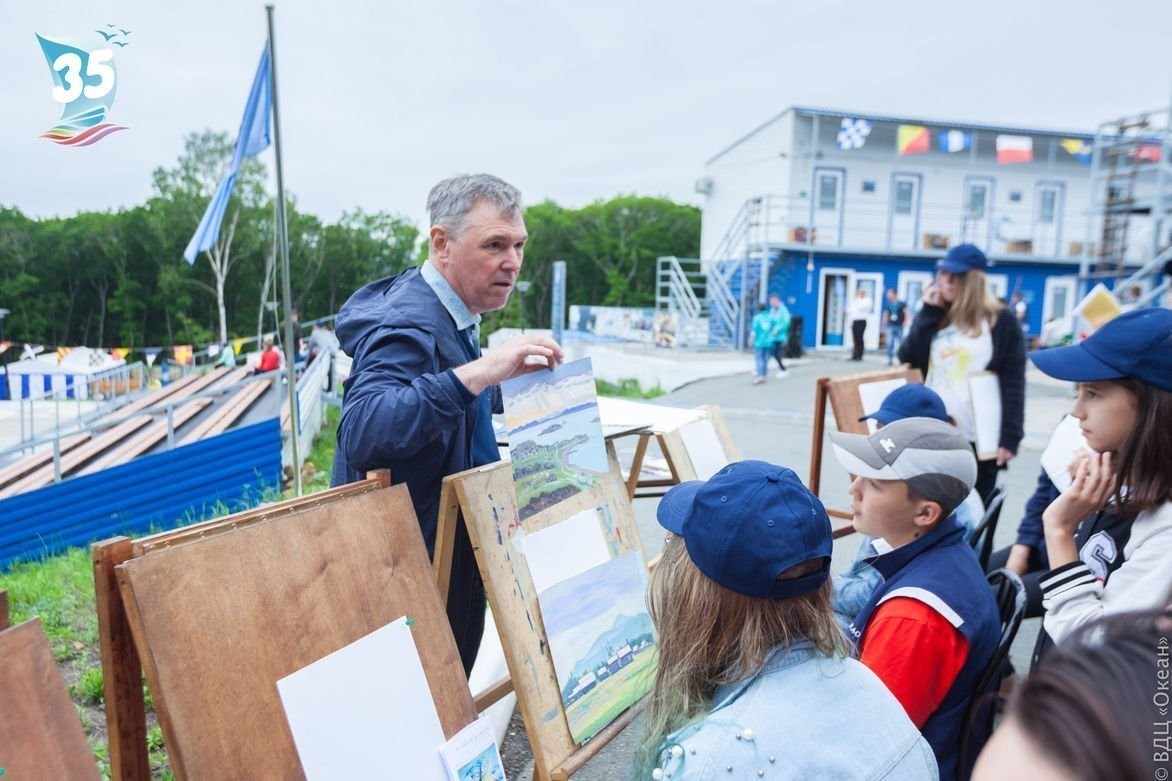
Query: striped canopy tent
{"type": "Point", "coordinates": [72, 376]}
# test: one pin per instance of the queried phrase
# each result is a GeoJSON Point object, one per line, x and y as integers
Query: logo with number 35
{"type": "Point", "coordinates": [84, 83]}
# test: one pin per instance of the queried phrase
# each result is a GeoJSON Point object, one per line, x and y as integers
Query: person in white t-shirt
{"type": "Point", "coordinates": [858, 311]}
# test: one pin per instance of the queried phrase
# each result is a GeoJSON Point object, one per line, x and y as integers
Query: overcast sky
{"type": "Point", "coordinates": [570, 101]}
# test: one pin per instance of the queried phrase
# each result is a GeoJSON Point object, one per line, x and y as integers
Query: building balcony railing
{"type": "Point", "coordinates": [776, 221]}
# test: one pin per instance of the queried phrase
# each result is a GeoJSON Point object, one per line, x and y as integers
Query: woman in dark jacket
{"type": "Point", "coordinates": [963, 330]}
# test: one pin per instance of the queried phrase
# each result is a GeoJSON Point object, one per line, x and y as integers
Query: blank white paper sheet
{"type": "Point", "coordinates": [365, 711]}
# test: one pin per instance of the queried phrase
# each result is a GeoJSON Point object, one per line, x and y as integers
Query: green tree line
{"type": "Point", "coordinates": [117, 278]}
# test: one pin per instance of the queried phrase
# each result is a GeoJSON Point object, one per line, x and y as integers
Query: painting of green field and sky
{"type": "Point", "coordinates": [601, 640]}
{"type": "Point", "coordinates": [555, 439]}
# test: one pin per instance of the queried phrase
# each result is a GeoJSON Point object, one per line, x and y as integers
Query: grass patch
{"type": "Point", "coordinates": [315, 474]}
{"type": "Point", "coordinates": [626, 388]}
{"type": "Point", "coordinates": [88, 688]}
{"type": "Point", "coordinates": [60, 591]}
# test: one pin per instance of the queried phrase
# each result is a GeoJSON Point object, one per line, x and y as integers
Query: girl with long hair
{"type": "Point", "coordinates": [754, 679]}
{"type": "Point", "coordinates": [1109, 535]}
{"type": "Point", "coordinates": [962, 330]}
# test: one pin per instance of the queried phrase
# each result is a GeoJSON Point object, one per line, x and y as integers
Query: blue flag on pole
{"type": "Point", "coordinates": [254, 137]}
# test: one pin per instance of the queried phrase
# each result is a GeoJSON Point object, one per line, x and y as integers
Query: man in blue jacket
{"type": "Point", "coordinates": [420, 395]}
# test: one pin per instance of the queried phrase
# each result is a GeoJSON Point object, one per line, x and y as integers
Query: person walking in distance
{"type": "Point", "coordinates": [895, 319]}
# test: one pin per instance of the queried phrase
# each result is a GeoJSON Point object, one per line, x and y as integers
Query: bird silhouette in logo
{"type": "Point", "coordinates": [108, 36]}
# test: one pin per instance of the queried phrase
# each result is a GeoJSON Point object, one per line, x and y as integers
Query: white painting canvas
{"type": "Point", "coordinates": [872, 395]}
{"type": "Point", "coordinates": [704, 448]}
{"type": "Point", "coordinates": [365, 711]}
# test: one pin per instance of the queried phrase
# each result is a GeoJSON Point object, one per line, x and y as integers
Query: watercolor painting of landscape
{"type": "Point", "coordinates": [601, 640]}
{"type": "Point", "coordinates": [555, 439]}
{"type": "Point", "coordinates": [485, 767]}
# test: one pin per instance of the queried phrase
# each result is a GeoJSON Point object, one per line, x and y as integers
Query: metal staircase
{"type": "Point", "coordinates": [1131, 179]}
{"type": "Point", "coordinates": [714, 299]}
{"type": "Point", "coordinates": [709, 305]}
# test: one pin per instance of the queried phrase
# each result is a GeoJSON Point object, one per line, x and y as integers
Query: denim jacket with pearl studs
{"type": "Point", "coordinates": [803, 716]}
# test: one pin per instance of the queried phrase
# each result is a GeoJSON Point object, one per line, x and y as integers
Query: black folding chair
{"type": "Point", "coordinates": [982, 539]}
{"type": "Point", "coordinates": [987, 702]}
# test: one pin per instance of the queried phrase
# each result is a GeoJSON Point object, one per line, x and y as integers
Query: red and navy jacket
{"type": "Point", "coordinates": [941, 570]}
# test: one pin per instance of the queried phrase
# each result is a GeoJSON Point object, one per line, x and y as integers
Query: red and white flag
{"type": "Point", "coordinates": [1014, 149]}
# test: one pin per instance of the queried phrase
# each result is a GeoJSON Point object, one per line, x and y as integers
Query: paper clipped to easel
{"type": "Point", "coordinates": [365, 710]}
{"type": "Point", "coordinates": [473, 755]}
{"type": "Point", "coordinates": [1062, 452]}
{"type": "Point", "coordinates": [985, 396]}
{"type": "Point", "coordinates": [564, 549]}
{"type": "Point", "coordinates": [872, 395]}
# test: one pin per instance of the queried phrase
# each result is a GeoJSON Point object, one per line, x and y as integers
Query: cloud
{"type": "Point", "coordinates": [570, 102]}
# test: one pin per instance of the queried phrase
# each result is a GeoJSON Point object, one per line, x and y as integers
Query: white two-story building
{"type": "Point", "coordinates": [816, 203]}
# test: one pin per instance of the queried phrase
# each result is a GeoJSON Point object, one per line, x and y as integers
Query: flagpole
{"type": "Point", "coordinates": [283, 243]}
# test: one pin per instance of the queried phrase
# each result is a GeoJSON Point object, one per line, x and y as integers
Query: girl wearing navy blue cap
{"type": "Point", "coordinates": [754, 678]}
{"type": "Point", "coordinates": [962, 330]}
{"type": "Point", "coordinates": [1109, 535]}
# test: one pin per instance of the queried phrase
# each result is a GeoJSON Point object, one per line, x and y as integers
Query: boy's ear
{"type": "Point", "coordinates": [928, 514]}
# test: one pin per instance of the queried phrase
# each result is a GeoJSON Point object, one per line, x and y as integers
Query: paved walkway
{"type": "Point", "coordinates": [773, 422]}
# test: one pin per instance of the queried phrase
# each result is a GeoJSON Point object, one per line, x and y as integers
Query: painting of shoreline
{"type": "Point", "coordinates": [555, 438]}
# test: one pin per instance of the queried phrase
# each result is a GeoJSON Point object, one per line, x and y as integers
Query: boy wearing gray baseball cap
{"type": "Point", "coordinates": [931, 626]}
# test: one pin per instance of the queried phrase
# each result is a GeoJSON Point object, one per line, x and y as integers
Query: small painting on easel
{"type": "Point", "coordinates": [555, 438]}
{"type": "Point", "coordinates": [601, 640]}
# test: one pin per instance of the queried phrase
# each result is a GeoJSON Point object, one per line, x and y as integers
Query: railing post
{"type": "Point", "coordinates": [57, 459]}
{"type": "Point", "coordinates": [170, 427]}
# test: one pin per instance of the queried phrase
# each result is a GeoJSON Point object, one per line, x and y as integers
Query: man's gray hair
{"type": "Point", "coordinates": [450, 201]}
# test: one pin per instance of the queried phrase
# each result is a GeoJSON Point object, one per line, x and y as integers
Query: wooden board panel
{"type": "Point", "coordinates": [846, 403]}
{"type": "Point", "coordinates": [489, 504]}
{"type": "Point", "coordinates": [847, 406]}
{"type": "Point", "coordinates": [217, 621]}
{"type": "Point", "coordinates": [40, 733]}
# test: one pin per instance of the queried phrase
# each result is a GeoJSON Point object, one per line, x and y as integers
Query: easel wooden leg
{"type": "Point", "coordinates": [665, 448]}
{"type": "Point", "coordinates": [637, 464]}
{"type": "Point", "coordinates": [445, 538]}
{"type": "Point", "coordinates": [121, 667]}
{"type": "Point", "coordinates": [819, 431]}
{"type": "Point", "coordinates": [493, 694]}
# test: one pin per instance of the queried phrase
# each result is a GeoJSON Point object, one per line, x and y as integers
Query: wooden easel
{"type": "Point", "coordinates": [847, 405]}
{"type": "Point", "coordinates": [672, 444]}
{"type": "Point", "coordinates": [40, 734]}
{"type": "Point", "coordinates": [485, 498]}
{"type": "Point", "coordinates": [219, 611]}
